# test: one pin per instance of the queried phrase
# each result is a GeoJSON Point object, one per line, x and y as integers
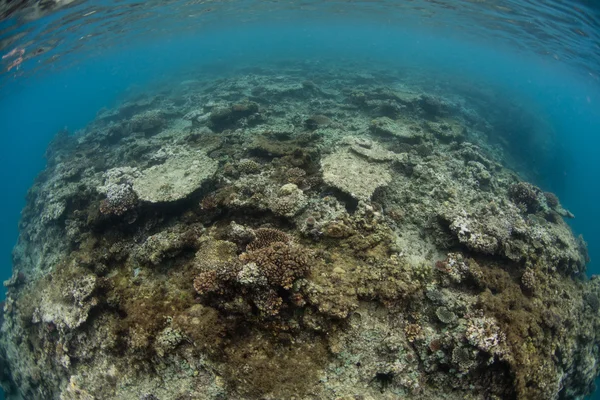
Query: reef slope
{"type": "Point", "coordinates": [310, 234]}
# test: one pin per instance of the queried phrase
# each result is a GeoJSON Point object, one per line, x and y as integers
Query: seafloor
{"type": "Point", "coordinates": [298, 235]}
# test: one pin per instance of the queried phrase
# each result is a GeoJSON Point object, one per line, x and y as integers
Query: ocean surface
{"type": "Point", "coordinates": [65, 61]}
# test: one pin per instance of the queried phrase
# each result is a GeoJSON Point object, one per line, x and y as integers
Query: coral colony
{"type": "Point", "coordinates": [263, 236]}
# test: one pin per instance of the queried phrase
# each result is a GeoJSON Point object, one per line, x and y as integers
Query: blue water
{"type": "Point", "coordinates": [70, 92]}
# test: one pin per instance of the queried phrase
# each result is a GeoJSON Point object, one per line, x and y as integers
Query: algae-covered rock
{"type": "Point", "coordinates": [149, 122]}
{"type": "Point", "coordinates": [181, 174]}
{"type": "Point", "coordinates": [400, 130]}
{"type": "Point", "coordinates": [224, 117]}
{"type": "Point", "coordinates": [353, 174]}
{"type": "Point", "coordinates": [317, 121]}
{"type": "Point", "coordinates": [447, 131]}
{"type": "Point", "coordinates": [369, 149]}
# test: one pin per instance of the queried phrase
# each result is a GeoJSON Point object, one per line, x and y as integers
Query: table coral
{"type": "Point", "coordinates": [180, 175]}
{"type": "Point", "coordinates": [354, 175]}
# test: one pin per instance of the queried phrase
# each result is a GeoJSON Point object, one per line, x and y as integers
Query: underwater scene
{"type": "Point", "coordinates": [349, 200]}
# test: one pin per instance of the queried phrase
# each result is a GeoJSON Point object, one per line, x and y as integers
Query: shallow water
{"type": "Point", "coordinates": [529, 70]}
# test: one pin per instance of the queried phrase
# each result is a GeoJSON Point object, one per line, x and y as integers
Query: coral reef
{"type": "Point", "coordinates": [354, 175]}
{"type": "Point", "coordinates": [401, 131]}
{"type": "Point", "coordinates": [304, 233]}
{"type": "Point", "coordinates": [182, 173]}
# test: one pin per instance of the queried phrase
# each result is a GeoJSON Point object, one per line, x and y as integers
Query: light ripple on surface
{"type": "Point", "coordinates": [568, 31]}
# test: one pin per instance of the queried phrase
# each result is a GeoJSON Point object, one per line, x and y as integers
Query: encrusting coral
{"type": "Point", "coordinates": [262, 236]}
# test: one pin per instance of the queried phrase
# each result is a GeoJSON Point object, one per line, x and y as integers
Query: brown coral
{"type": "Point", "coordinates": [217, 280]}
{"type": "Point", "coordinates": [206, 282]}
{"type": "Point", "coordinates": [281, 263]}
{"type": "Point", "coordinates": [296, 176]}
{"type": "Point", "coordinates": [268, 302]}
{"type": "Point", "coordinates": [413, 332]}
{"type": "Point", "coordinates": [248, 166]}
{"type": "Point", "coordinates": [264, 237]}
{"type": "Point", "coordinates": [209, 202]}
{"type": "Point", "coordinates": [551, 199]}
{"type": "Point", "coordinates": [525, 194]}
{"type": "Point", "coordinates": [337, 230]}
{"type": "Point", "coordinates": [528, 279]}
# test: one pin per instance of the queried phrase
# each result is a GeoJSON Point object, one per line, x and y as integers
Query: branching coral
{"type": "Point", "coordinates": [207, 282]}
{"type": "Point", "coordinates": [527, 195]}
{"type": "Point", "coordinates": [281, 263]}
{"type": "Point", "coordinates": [265, 237]}
{"type": "Point", "coordinates": [271, 261]}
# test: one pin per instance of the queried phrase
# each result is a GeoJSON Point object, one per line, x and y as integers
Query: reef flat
{"type": "Point", "coordinates": [295, 234]}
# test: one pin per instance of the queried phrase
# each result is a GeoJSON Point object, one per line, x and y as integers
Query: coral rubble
{"type": "Point", "coordinates": [271, 236]}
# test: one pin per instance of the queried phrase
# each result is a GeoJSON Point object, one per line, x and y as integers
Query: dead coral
{"type": "Point", "coordinates": [149, 122]}
{"type": "Point", "coordinates": [459, 268]}
{"type": "Point", "coordinates": [181, 174]}
{"type": "Point", "coordinates": [119, 200]}
{"type": "Point", "coordinates": [444, 315]}
{"type": "Point", "coordinates": [354, 175]}
{"type": "Point", "coordinates": [484, 333]}
{"type": "Point", "coordinates": [447, 131]}
{"type": "Point", "coordinates": [202, 325]}
{"type": "Point", "coordinates": [118, 188]}
{"type": "Point", "coordinates": [369, 149]}
{"type": "Point", "coordinates": [227, 117]}
{"type": "Point", "coordinates": [263, 192]}
{"type": "Point", "coordinates": [241, 234]}
{"type": "Point", "coordinates": [168, 243]}
{"type": "Point", "coordinates": [316, 122]}
{"type": "Point", "coordinates": [552, 199]}
{"type": "Point", "coordinates": [401, 130]}
{"type": "Point", "coordinates": [342, 304]}
{"type": "Point", "coordinates": [262, 146]}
